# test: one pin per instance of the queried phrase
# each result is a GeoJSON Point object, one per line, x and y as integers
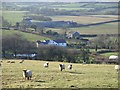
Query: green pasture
{"type": "Point", "coordinates": [77, 8]}
{"type": "Point", "coordinates": [109, 54]}
{"type": "Point", "coordinates": [111, 28]}
{"type": "Point", "coordinates": [81, 76]}
{"type": "Point", "coordinates": [13, 16]}
{"type": "Point", "coordinates": [69, 5]}
{"type": "Point", "coordinates": [28, 36]}
{"type": "Point", "coordinates": [85, 19]}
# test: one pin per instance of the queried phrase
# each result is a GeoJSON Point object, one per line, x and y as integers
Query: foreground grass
{"type": "Point", "coordinates": [81, 76]}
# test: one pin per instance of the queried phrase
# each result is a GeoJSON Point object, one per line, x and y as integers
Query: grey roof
{"type": "Point", "coordinates": [46, 42]}
{"type": "Point", "coordinates": [60, 41]}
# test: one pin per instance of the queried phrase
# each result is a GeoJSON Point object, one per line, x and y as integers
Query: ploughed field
{"type": "Point", "coordinates": [81, 75]}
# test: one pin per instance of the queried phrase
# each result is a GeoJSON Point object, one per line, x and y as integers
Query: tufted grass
{"type": "Point", "coordinates": [81, 76]}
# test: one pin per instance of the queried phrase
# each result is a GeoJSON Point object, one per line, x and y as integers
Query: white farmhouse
{"type": "Point", "coordinates": [58, 42]}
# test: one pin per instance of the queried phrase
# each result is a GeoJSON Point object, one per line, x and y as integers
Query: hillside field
{"type": "Point", "coordinates": [13, 16]}
{"type": "Point", "coordinates": [87, 19]}
{"type": "Point", "coordinates": [110, 28]}
{"type": "Point", "coordinates": [81, 76]}
{"type": "Point", "coordinates": [28, 36]}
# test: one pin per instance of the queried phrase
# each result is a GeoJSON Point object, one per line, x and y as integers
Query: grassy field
{"type": "Point", "coordinates": [85, 19]}
{"type": "Point", "coordinates": [28, 36]}
{"type": "Point", "coordinates": [98, 29]}
{"type": "Point", "coordinates": [13, 16]}
{"type": "Point", "coordinates": [109, 54]}
{"type": "Point", "coordinates": [81, 76]}
{"type": "Point", "coordinates": [111, 28]}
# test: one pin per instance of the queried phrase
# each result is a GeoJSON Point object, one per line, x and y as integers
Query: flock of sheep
{"type": "Point", "coordinates": [27, 74]}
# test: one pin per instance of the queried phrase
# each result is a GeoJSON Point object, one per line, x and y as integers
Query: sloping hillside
{"type": "Point", "coordinates": [28, 36]}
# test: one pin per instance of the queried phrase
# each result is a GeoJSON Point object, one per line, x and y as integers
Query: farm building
{"type": "Point", "coordinates": [75, 35]}
{"type": "Point", "coordinates": [113, 57]}
{"type": "Point", "coordinates": [24, 56]}
{"type": "Point", "coordinates": [58, 42]}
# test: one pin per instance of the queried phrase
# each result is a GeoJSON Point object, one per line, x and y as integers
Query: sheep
{"type": "Point", "coordinates": [61, 66]}
{"type": "Point", "coordinates": [117, 68]}
{"type": "Point", "coordinates": [0, 63]}
{"type": "Point", "coordinates": [12, 61]}
{"type": "Point", "coordinates": [21, 61]}
{"type": "Point", "coordinates": [8, 61]}
{"type": "Point", "coordinates": [46, 64]}
{"type": "Point", "coordinates": [27, 74]}
{"type": "Point", "coordinates": [70, 66]}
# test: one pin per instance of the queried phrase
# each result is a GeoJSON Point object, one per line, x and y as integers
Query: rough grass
{"type": "Point", "coordinates": [81, 76]}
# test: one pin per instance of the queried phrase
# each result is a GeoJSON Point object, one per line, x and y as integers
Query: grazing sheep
{"type": "Point", "coordinates": [27, 74]}
{"type": "Point", "coordinates": [117, 68]}
{"type": "Point", "coordinates": [46, 64]}
{"type": "Point", "coordinates": [61, 66]}
{"type": "Point", "coordinates": [12, 61]}
{"type": "Point", "coordinates": [70, 66]}
{"type": "Point", "coordinates": [84, 62]}
{"type": "Point", "coordinates": [8, 61]}
{"type": "Point", "coordinates": [21, 61]}
{"type": "Point", "coordinates": [0, 63]}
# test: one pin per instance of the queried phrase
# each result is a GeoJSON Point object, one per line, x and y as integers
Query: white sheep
{"type": "Point", "coordinates": [117, 68]}
{"type": "Point", "coordinates": [46, 64]}
{"type": "Point", "coordinates": [70, 66]}
{"type": "Point", "coordinates": [27, 74]}
{"type": "Point", "coordinates": [61, 66]}
{"type": "Point", "coordinates": [21, 61]}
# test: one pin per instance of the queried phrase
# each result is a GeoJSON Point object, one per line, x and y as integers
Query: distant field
{"type": "Point", "coordinates": [111, 28]}
{"type": "Point", "coordinates": [13, 16]}
{"type": "Point", "coordinates": [85, 19]}
{"type": "Point", "coordinates": [109, 54]}
{"type": "Point", "coordinates": [28, 36]}
{"type": "Point", "coordinates": [67, 8]}
{"type": "Point", "coordinates": [81, 76]}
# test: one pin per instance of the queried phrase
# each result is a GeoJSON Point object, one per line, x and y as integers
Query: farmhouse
{"type": "Point", "coordinates": [113, 57]}
{"type": "Point", "coordinates": [23, 56]}
{"type": "Point", "coordinates": [58, 42]}
{"type": "Point", "coordinates": [75, 35]}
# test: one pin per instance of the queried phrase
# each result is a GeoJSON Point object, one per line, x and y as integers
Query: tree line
{"type": "Point", "coordinates": [16, 44]}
